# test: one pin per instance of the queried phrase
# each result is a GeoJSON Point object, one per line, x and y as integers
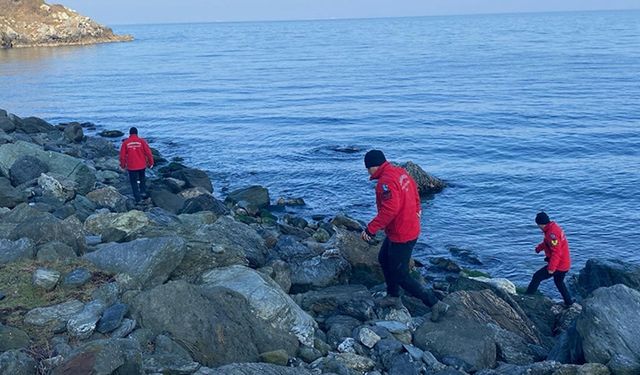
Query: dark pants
{"type": "Point", "coordinates": [558, 278]}
{"type": "Point", "coordinates": [134, 178]}
{"type": "Point", "coordinates": [394, 258]}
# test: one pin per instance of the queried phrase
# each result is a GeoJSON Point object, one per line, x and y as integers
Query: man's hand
{"type": "Point", "coordinates": [550, 271]}
{"type": "Point", "coordinates": [365, 236]}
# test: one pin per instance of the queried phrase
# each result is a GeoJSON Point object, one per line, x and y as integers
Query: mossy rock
{"type": "Point", "coordinates": [246, 219]}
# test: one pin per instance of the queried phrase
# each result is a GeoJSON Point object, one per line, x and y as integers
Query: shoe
{"type": "Point", "coordinates": [389, 301]}
{"type": "Point", "coordinates": [438, 311]}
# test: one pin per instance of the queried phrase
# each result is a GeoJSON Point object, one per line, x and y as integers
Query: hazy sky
{"type": "Point", "coordinates": [115, 12]}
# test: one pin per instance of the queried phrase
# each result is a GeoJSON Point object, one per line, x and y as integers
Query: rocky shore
{"type": "Point", "coordinates": [34, 23]}
{"type": "Point", "coordinates": [185, 283]}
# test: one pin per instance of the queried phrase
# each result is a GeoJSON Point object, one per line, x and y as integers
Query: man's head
{"type": "Point", "coordinates": [542, 219]}
{"type": "Point", "coordinates": [373, 160]}
{"type": "Point", "coordinates": [133, 131]}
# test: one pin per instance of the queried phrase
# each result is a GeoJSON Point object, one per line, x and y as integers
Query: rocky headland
{"type": "Point", "coordinates": [91, 283]}
{"type": "Point", "coordinates": [34, 23]}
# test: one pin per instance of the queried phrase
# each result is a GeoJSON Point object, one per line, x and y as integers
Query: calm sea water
{"type": "Point", "coordinates": [518, 112]}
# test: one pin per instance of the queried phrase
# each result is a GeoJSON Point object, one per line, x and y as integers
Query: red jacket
{"type": "Point", "coordinates": [135, 154]}
{"type": "Point", "coordinates": [398, 204]}
{"type": "Point", "coordinates": [556, 248]}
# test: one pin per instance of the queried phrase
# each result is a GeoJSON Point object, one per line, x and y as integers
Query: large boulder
{"type": "Point", "coordinates": [75, 169]}
{"type": "Point", "coordinates": [349, 300]}
{"type": "Point", "coordinates": [6, 125]}
{"type": "Point", "coordinates": [194, 178]}
{"type": "Point", "coordinates": [26, 168]}
{"type": "Point", "coordinates": [427, 184]}
{"type": "Point", "coordinates": [10, 196]}
{"type": "Point", "coordinates": [204, 202]}
{"type": "Point", "coordinates": [216, 325]}
{"type": "Point", "coordinates": [44, 227]}
{"type": "Point", "coordinates": [362, 256]}
{"type": "Point", "coordinates": [266, 298]}
{"type": "Point", "coordinates": [129, 222]}
{"type": "Point", "coordinates": [252, 369]}
{"type": "Point", "coordinates": [103, 357]}
{"type": "Point", "coordinates": [608, 328]}
{"type": "Point", "coordinates": [15, 362]}
{"type": "Point", "coordinates": [73, 132]}
{"type": "Point", "coordinates": [599, 273]}
{"type": "Point", "coordinates": [58, 187]}
{"type": "Point", "coordinates": [253, 198]}
{"type": "Point", "coordinates": [32, 125]}
{"type": "Point", "coordinates": [147, 262]}
{"type": "Point", "coordinates": [108, 197]}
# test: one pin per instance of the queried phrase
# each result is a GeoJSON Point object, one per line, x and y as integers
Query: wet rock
{"type": "Point", "coordinates": [26, 168]}
{"type": "Point", "coordinates": [147, 262]}
{"type": "Point", "coordinates": [193, 178]}
{"type": "Point", "coordinates": [465, 255]}
{"type": "Point", "coordinates": [343, 221]}
{"type": "Point", "coordinates": [290, 202]}
{"type": "Point", "coordinates": [238, 335]}
{"type": "Point", "coordinates": [267, 300]}
{"type": "Point", "coordinates": [252, 199]}
{"type": "Point", "coordinates": [111, 134]}
{"type": "Point", "coordinates": [599, 273]}
{"type": "Point", "coordinates": [427, 184]}
{"type": "Point", "coordinates": [445, 264]}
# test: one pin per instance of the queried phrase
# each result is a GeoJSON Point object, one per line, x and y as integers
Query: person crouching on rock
{"type": "Point", "coordinates": [556, 250]}
{"type": "Point", "coordinates": [135, 157]}
{"type": "Point", "coordinates": [399, 212]}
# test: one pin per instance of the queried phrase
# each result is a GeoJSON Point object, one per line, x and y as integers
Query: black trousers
{"type": "Point", "coordinates": [394, 258]}
{"type": "Point", "coordinates": [134, 178]}
{"type": "Point", "coordinates": [558, 279]}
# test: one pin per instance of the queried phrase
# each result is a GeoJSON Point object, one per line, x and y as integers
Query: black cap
{"type": "Point", "coordinates": [374, 158]}
{"type": "Point", "coordinates": [133, 130]}
{"type": "Point", "coordinates": [542, 218]}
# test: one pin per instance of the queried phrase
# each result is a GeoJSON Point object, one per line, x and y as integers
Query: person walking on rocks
{"type": "Point", "coordinates": [556, 250]}
{"type": "Point", "coordinates": [399, 212]}
{"type": "Point", "coordinates": [135, 157]}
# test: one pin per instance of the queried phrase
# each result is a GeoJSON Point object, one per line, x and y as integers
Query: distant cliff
{"type": "Point", "coordinates": [31, 23]}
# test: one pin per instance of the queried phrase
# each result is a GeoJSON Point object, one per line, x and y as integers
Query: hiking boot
{"type": "Point", "coordinates": [389, 301]}
{"type": "Point", "coordinates": [438, 311]}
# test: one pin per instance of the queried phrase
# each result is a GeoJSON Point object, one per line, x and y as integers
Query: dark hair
{"type": "Point", "coordinates": [133, 130]}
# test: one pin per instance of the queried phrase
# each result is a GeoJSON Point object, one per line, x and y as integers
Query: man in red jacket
{"type": "Point", "coordinates": [399, 212]}
{"type": "Point", "coordinates": [135, 157]}
{"type": "Point", "coordinates": [556, 250]}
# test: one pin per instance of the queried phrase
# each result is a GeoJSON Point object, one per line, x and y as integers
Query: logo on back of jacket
{"type": "Point", "coordinates": [134, 145]}
{"type": "Point", "coordinates": [386, 192]}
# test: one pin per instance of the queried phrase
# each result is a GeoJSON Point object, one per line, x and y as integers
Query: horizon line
{"type": "Point", "coordinates": [377, 18]}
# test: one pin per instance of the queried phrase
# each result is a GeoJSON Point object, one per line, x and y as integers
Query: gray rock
{"type": "Point", "coordinates": [568, 347]}
{"type": "Point", "coordinates": [13, 338]}
{"type": "Point", "coordinates": [345, 222]}
{"type": "Point", "coordinates": [59, 164]}
{"type": "Point", "coordinates": [111, 133]}
{"type": "Point", "coordinates": [599, 273]}
{"type": "Point", "coordinates": [318, 272]}
{"type": "Point", "coordinates": [427, 184]}
{"type": "Point", "coordinates": [129, 222]}
{"type": "Point", "coordinates": [6, 124]}
{"type": "Point", "coordinates": [168, 364]}
{"type": "Point", "coordinates": [32, 125]}
{"type": "Point", "coordinates": [14, 251]}
{"type": "Point", "coordinates": [252, 369]}
{"type": "Point", "coordinates": [104, 357]}
{"type": "Point", "coordinates": [167, 200]}
{"type": "Point", "coordinates": [404, 364]}
{"type": "Point", "coordinates": [15, 362]}
{"type": "Point", "coordinates": [368, 338]}
{"type": "Point", "coordinates": [46, 279]}
{"type": "Point", "coordinates": [82, 325]}
{"type": "Point", "coordinates": [280, 272]}
{"type": "Point", "coordinates": [268, 301]}
{"type": "Point", "coordinates": [362, 257]}
{"type": "Point", "coordinates": [26, 168]}
{"type": "Point", "coordinates": [74, 133]}
{"type": "Point", "coordinates": [126, 327]}
{"type": "Point", "coordinates": [76, 278]}
{"type": "Point", "coordinates": [351, 300]}
{"type": "Point", "coordinates": [252, 199]}
{"type": "Point", "coordinates": [204, 202]}
{"type": "Point", "coordinates": [308, 354]}
{"type": "Point", "coordinates": [10, 196]}
{"type": "Point", "coordinates": [194, 178]}
{"type": "Point", "coordinates": [228, 331]}
{"type": "Point", "coordinates": [386, 350]}
{"type": "Point", "coordinates": [59, 313]}
{"type": "Point", "coordinates": [57, 187]}
{"type": "Point", "coordinates": [55, 251]}
{"type": "Point", "coordinates": [108, 197]}
{"type": "Point", "coordinates": [275, 357]}
{"type": "Point", "coordinates": [44, 227]}
{"type": "Point", "coordinates": [604, 327]}
{"type": "Point", "coordinates": [147, 262]}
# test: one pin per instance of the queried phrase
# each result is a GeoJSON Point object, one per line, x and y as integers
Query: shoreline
{"type": "Point", "coordinates": [187, 283]}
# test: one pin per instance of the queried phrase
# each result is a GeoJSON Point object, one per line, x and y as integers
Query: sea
{"type": "Point", "coordinates": [517, 112]}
